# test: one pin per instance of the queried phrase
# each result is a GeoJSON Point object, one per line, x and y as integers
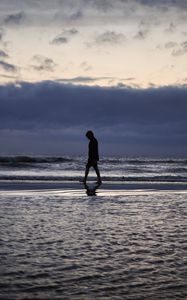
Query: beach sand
{"type": "Point", "coordinates": [124, 241]}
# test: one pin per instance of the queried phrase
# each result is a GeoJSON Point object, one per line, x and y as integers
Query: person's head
{"type": "Point", "coordinates": [89, 134]}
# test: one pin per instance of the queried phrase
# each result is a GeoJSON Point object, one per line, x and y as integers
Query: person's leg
{"type": "Point", "coordinates": [98, 173]}
{"type": "Point", "coordinates": [86, 173]}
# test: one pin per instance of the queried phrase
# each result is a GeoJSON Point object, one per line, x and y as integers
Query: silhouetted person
{"type": "Point", "coordinates": [93, 156]}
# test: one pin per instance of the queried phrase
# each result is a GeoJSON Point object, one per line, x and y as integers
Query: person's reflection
{"type": "Point", "coordinates": [91, 191]}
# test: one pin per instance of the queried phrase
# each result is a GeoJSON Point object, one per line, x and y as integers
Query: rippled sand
{"type": "Point", "coordinates": [116, 245]}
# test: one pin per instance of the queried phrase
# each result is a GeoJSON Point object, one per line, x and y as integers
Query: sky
{"type": "Point", "coordinates": [117, 67]}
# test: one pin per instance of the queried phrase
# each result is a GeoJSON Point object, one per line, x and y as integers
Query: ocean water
{"type": "Point", "coordinates": [122, 169]}
{"type": "Point", "coordinates": [58, 243]}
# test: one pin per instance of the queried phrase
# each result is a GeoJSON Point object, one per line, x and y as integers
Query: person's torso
{"type": "Point", "coordinates": [93, 149]}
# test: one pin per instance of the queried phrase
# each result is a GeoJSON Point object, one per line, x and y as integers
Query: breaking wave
{"type": "Point", "coordinates": [146, 161]}
{"type": "Point", "coordinates": [104, 178]}
{"type": "Point", "coordinates": [11, 160]}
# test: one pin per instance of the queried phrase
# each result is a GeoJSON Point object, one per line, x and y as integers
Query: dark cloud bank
{"type": "Point", "coordinates": [51, 118]}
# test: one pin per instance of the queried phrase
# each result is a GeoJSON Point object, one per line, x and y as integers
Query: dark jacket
{"type": "Point", "coordinates": [93, 153]}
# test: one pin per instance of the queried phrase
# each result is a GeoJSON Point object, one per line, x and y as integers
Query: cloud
{"type": "Point", "coordinates": [170, 45]}
{"type": "Point", "coordinates": [78, 15]}
{"type": "Point", "coordinates": [124, 118]}
{"type": "Point", "coordinates": [70, 32]}
{"type": "Point", "coordinates": [43, 63]}
{"type": "Point", "coordinates": [82, 79]}
{"type": "Point", "coordinates": [171, 28]}
{"type": "Point", "coordinates": [3, 54]}
{"type": "Point", "coordinates": [73, 16]}
{"type": "Point", "coordinates": [182, 50]}
{"type": "Point", "coordinates": [59, 40]}
{"type": "Point", "coordinates": [102, 5]}
{"type": "Point", "coordinates": [181, 4]}
{"type": "Point", "coordinates": [110, 37]}
{"type": "Point", "coordinates": [1, 34]}
{"type": "Point", "coordinates": [86, 66]}
{"type": "Point", "coordinates": [65, 36]}
{"type": "Point", "coordinates": [14, 19]}
{"type": "Point", "coordinates": [8, 67]}
{"type": "Point", "coordinates": [98, 4]}
{"type": "Point", "coordinates": [89, 79]}
{"type": "Point", "coordinates": [8, 76]}
{"type": "Point", "coordinates": [141, 34]}
{"type": "Point", "coordinates": [108, 5]}
{"type": "Point", "coordinates": [88, 12]}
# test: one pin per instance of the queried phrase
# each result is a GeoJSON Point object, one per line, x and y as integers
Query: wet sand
{"type": "Point", "coordinates": [78, 186]}
{"type": "Point", "coordinates": [127, 241]}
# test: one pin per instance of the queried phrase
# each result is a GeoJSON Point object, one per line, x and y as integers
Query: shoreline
{"type": "Point", "coordinates": [111, 186]}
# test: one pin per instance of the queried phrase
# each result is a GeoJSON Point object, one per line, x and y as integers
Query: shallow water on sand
{"type": "Point", "coordinates": [70, 246]}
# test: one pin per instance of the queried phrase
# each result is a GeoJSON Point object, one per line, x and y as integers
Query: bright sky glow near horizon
{"type": "Point", "coordinates": [104, 42]}
{"type": "Point", "coordinates": [117, 67]}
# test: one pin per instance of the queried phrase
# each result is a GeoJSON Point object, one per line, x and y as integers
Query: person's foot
{"type": "Point", "coordinates": [99, 181]}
